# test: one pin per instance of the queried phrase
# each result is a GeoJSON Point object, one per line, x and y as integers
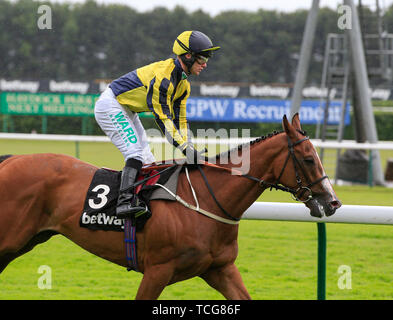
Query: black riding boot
{"type": "Point", "coordinates": [127, 206]}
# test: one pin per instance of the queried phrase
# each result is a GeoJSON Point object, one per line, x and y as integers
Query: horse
{"type": "Point", "coordinates": [43, 195]}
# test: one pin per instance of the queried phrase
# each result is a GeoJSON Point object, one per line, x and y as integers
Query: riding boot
{"type": "Point", "coordinates": [128, 204]}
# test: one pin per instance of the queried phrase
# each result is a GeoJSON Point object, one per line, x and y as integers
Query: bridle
{"type": "Point", "coordinates": [297, 193]}
{"type": "Point", "coordinates": [301, 189]}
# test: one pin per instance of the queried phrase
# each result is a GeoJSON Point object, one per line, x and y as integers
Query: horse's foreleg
{"type": "Point", "coordinates": [154, 280]}
{"type": "Point", "coordinates": [228, 281]}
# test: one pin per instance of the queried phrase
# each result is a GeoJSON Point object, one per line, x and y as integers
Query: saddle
{"type": "Point", "coordinates": [99, 210]}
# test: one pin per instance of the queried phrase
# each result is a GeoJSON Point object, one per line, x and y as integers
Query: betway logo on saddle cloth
{"type": "Point", "coordinates": [100, 203]}
{"type": "Point", "coordinates": [99, 210]}
{"type": "Point", "coordinates": [102, 219]}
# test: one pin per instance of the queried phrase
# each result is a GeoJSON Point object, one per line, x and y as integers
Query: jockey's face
{"type": "Point", "coordinates": [199, 64]}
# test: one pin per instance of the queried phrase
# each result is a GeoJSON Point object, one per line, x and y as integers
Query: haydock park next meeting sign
{"type": "Point", "coordinates": [256, 110]}
{"type": "Point", "coordinates": [198, 108]}
{"type": "Point", "coordinates": [51, 104]}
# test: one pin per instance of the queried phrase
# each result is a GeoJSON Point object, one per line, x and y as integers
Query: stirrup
{"type": "Point", "coordinates": [126, 210]}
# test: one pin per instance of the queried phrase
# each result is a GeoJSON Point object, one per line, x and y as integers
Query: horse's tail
{"type": "Point", "coordinates": [4, 157]}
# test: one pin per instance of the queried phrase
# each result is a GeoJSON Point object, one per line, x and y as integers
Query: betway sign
{"type": "Point", "coordinates": [255, 110]}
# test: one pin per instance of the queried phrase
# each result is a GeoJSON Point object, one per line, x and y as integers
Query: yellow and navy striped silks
{"type": "Point", "coordinates": [162, 88]}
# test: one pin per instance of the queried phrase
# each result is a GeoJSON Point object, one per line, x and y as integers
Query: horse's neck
{"type": "Point", "coordinates": [238, 193]}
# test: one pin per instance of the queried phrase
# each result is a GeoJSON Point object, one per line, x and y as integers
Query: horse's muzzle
{"type": "Point", "coordinates": [319, 206]}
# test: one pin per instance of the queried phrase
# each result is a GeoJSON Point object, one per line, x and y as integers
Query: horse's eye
{"type": "Point", "coordinates": [309, 161]}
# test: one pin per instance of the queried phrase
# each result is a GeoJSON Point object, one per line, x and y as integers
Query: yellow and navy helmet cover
{"type": "Point", "coordinates": [193, 42]}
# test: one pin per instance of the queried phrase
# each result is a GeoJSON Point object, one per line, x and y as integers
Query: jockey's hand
{"type": "Point", "coordinates": [193, 156]}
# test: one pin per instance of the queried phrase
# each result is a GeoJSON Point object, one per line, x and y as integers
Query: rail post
{"type": "Point", "coordinates": [321, 287]}
{"type": "Point", "coordinates": [77, 153]}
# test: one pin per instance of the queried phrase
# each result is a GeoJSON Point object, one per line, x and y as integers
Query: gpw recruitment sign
{"type": "Point", "coordinates": [256, 110]}
{"type": "Point", "coordinates": [198, 109]}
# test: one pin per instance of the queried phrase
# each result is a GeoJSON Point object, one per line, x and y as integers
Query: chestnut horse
{"type": "Point", "coordinates": [43, 195]}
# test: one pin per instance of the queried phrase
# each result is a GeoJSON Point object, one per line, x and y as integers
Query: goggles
{"type": "Point", "coordinates": [201, 59]}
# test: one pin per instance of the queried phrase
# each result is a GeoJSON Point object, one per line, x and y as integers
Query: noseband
{"type": "Point", "coordinates": [301, 189]}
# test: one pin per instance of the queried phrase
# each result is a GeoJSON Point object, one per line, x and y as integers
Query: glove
{"type": "Point", "coordinates": [193, 156]}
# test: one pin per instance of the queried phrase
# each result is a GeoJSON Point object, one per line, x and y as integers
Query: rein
{"type": "Point", "coordinates": [214, 197]}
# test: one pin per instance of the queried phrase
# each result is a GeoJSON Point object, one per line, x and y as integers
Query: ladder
{"type": "Point", "coordinates": [335, 79]}
{"type": "Point", "coordinates": [336, 75]}
{"type": "Point", "coordinates": [375, 39]}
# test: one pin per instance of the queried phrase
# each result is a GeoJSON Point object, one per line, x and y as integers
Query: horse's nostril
{"type": "Point", "coordinates": [335, 204]}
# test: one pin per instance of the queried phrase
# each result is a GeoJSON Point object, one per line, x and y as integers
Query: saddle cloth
{"type": "Point", "coordinates": [100, 203]}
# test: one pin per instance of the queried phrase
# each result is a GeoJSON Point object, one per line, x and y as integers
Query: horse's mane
{"type": "Point", "coordinates": [4, 157]}
{"type": "Point", "coordinates": [247, 144]}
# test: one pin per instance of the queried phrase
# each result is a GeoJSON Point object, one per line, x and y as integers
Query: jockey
{"type": "Point", "coordinates": [162, 88]}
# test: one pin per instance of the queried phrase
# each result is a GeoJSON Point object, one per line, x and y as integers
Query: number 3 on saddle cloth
{"type": "Point", "coordinates": [101, 199]}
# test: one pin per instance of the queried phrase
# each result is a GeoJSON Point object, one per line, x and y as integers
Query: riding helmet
{"type": "Point", "coordinates": [193, 42]}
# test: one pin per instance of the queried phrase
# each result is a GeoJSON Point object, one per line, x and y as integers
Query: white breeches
{"type": "Point", "coordinates": [123, 127]}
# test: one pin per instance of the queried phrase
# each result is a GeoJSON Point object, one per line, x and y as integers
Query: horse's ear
{"type": "Point", "coordinates": [288, 128]}
{"type": "Point", "coordinates": [296, 121]}
{"type": "Point", "coordinates": [286, 125]}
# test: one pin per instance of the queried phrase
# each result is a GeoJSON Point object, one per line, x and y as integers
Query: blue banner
{"type": "Point", "coordinates": [256, 110]}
